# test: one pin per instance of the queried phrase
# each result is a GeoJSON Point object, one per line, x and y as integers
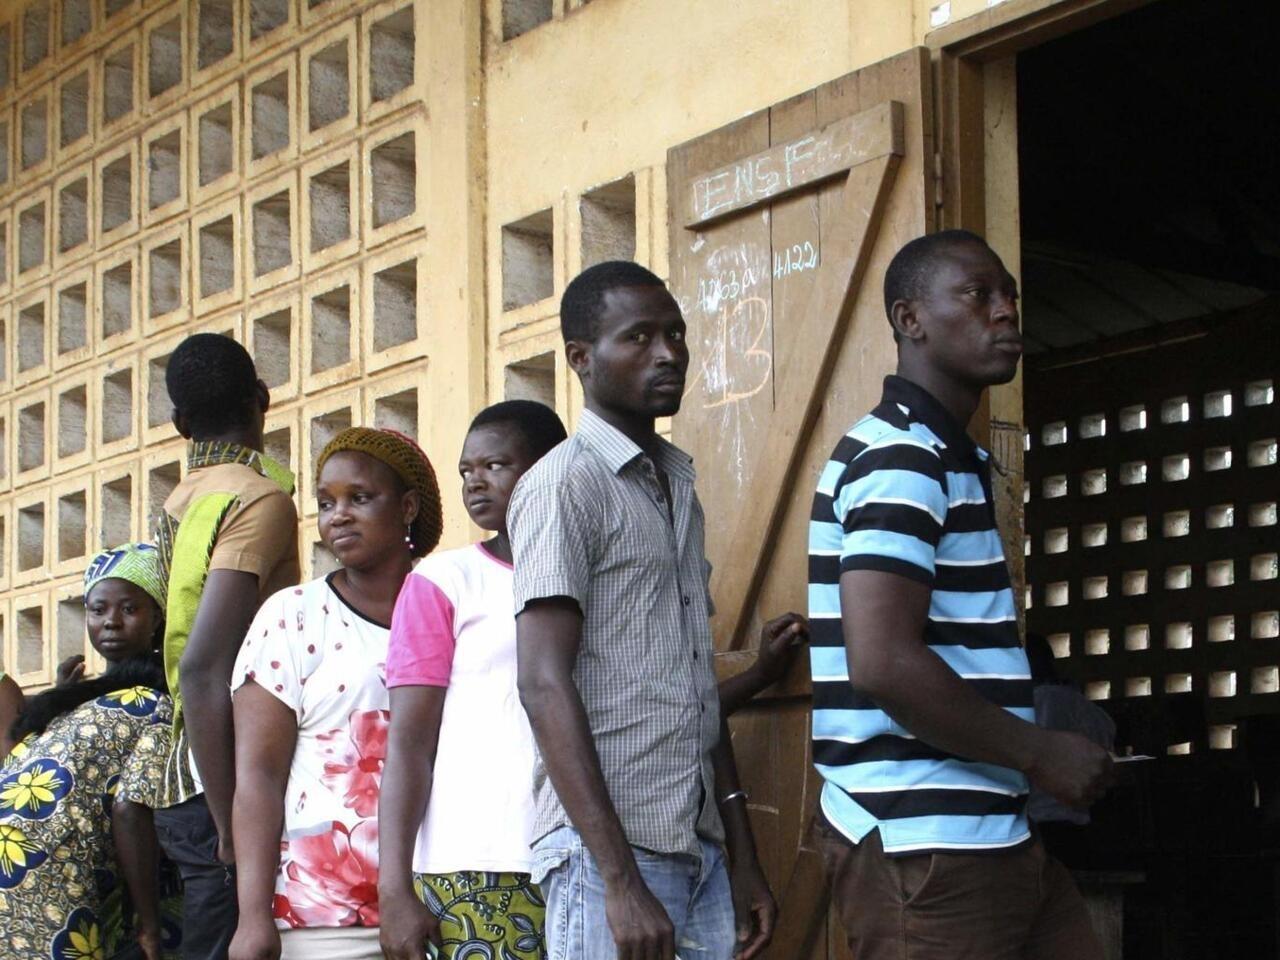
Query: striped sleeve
{"type": "Point", "coordinates": [891, 503]}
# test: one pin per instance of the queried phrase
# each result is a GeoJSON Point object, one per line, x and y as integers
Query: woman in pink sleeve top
{"type": "Point", "coordinates": [457, 790]}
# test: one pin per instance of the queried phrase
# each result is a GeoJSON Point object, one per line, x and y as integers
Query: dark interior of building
{"type": "Point", "coordinates": [1151, 282]}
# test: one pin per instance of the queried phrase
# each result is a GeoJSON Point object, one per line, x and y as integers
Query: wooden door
{"type": "Point", "coordinates": [782, 224]}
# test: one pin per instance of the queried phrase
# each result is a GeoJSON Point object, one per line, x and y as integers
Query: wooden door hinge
{"type": "Point", "coordinates": [937, 180]}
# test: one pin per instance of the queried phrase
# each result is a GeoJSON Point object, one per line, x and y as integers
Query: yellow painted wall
{"type": "Point", "coordinates": [381, 198]}
{"type": "Point", "coordinates": [301, 174]}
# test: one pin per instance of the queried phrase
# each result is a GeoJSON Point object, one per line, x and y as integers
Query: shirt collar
{"type": "Point", "coordinates": [923, 406]}
{"type": "Point", "coordinates": [618, 450]}
{"type": "Point", "coordinates": [210, 453]}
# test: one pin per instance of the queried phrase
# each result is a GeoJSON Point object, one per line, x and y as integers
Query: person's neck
{"type": "Point", "coordinates": [958, 399]}
{"type": "Point", "coordinates": [241, 437]}
{"type": "Point", "coordinates": [636, 427]}
{"type": "Point", "coordinates": [377, 585]}
{"type": "Point", "coordinates": [499, 546]}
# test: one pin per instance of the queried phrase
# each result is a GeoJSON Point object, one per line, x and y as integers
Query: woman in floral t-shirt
{"type": "Point", "coordinates": [311, 711]}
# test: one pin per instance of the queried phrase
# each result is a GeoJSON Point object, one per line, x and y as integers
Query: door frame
{"type": "Point", "coordinates": [976, 186]}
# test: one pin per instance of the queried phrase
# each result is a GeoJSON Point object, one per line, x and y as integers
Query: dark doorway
{"type": "Point", "coordinates": [1151, 277]}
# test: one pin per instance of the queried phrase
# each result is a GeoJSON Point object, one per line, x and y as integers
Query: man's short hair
{"type": "Point", "coordinates": [536, 423]}
{"type": "Point", "coordinates": [212, 383]}
{"type": "Point", "coordinates": [911, 266]}
{"type": "Point", "coordinates": [584, 298]}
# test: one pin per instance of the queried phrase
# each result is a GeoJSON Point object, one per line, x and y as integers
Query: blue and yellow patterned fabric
{"type": "Point", "coordinates": [60, 897]}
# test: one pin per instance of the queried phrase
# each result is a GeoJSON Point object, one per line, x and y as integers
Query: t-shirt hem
{"type": "Point", "coordinates": [438, 867]}
{"type": "Point", "coordinates": [940, 846]}
{"type": "Point", "coordinates": [545, 588]}
{"type": "Point", "coordinates": [893, 565]}
{"type": "Point", "coordinates": [920, 845]}
{"type": "Point", "coordinates": [285, 927]}
{"type": "Point", "coordinates": [410, 681]}
{"type": "Point", "coordinates": [242, 563]}
{"type": "Point", "coordinates": [278, 694]}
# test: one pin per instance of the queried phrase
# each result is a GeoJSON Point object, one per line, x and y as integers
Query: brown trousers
{"type": "Point", "coordinates": [1018, 904]}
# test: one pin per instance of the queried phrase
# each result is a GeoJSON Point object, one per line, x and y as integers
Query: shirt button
{"type": "Point", "coordinates": [685, 600]}
{"type": "Point", "coordinates": [695, 654]}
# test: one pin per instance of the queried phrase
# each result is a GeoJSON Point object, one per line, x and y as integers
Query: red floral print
{"type": "Point", "coordinates": [357, 773]}
{"type": "Point", "coordinates": [331, 878]}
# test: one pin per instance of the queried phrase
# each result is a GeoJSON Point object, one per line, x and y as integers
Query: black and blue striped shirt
{"type": "Point", "coordinates": [907, 492]}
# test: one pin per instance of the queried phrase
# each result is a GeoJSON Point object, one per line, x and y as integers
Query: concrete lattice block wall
{"type": "Point", "coordinates": [72, 330]}
{"type": "Point", "coordinates": [74, 417]}
{"type": "Point", "coordinates": [164, 171]}
{"type": "Point", "coordinates": [173, 166]}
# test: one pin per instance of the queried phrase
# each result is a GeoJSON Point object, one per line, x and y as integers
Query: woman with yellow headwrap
{"type": "Point", "coordinates": [85, 753]}
{"type": "Point", "coordinates": [311, 710]}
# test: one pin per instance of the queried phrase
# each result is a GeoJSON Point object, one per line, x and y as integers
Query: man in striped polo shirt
{"type": "Point", "coordinates": [923, 721]}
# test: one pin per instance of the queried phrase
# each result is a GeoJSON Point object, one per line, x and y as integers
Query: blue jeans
{"type": "Point", "coordinates": [695, 894]}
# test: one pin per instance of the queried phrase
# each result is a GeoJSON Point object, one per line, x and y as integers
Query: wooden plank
{"type": "Point", "coordinates": [783, 169]}
{"type": "Point", "coordinates": [734, 584]}
{"type": "Point", "coordinates": [720, 278]}
{"type": "Point", "coordinates": [802, 911]}
{"type": "Point", "coordinates": [749, 365]}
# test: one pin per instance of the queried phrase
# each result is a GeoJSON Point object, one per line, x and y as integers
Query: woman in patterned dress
{"type": "Point", "coordinates": [311, 707]}
{"type": "Point", "coordinates": [86, 751]}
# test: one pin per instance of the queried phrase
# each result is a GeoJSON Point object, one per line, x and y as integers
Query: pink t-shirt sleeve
{"type": "Point", "coordinates": [420, 652]}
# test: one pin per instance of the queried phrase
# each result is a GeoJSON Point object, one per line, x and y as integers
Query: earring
{"type": "Point", "coordinates": [408, 536]}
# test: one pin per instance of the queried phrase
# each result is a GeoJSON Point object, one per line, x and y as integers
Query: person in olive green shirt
{"type": "Point", "coordinates": [228, 538]}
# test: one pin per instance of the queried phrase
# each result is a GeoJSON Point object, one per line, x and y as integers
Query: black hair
{"type": "Point", "coordinates": [537, 424]}
{"type": "Point", "coordinates": [42, 709]}
{"type": "Point", "coordinates": [910, 267]}
{"type": "Point", "coordinates": [212, 384]}
{"type": "Point", "coordinates": [584, 297]}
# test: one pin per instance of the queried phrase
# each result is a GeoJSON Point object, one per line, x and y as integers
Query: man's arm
{"type": "Point", "coordinates": [754, 908]}
{"type": "Point", "coordinates": [227, 607]}
{"type": "Point", "coordinates": [884, 617]}
{"type": "Point", "coordinates": [548, 634]}
{"type": "Point", "coordinates": [136, 852]}
{"type": "Point", "coordinates": [266, 738]}
{"type": "Point", "coordinates": [780, 641]}
{"type": "Point", "coordinates": [412, 741]}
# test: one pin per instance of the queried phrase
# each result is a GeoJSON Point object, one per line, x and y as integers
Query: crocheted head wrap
{"type": "Point", "coordinates": [139, 563]}
{"type": "Point", "coordinates": [410, 464]}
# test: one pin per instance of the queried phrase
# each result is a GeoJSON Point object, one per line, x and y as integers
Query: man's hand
{"type": "Point", "coordinates": [1072, 769]}
{"type": "Point", "coordinates": [780, 641]}
{"type": "Point", "coordinates": [70, 670]}
{"type": "Point", "coordinates": [639, 923]}
{"type": "Point", "coordinates": [406, 926]}
{"type": "Point", "coordinates": [754, 909]}
{"type": "Point", "coordinates": [255, 939]}
{"type": "Point", "coordinates": [226, 849]}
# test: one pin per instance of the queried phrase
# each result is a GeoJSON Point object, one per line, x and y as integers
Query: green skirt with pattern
{"type": "Point", "coordinates": [485, 916]}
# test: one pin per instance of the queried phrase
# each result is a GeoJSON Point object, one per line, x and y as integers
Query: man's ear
{"type": "Point", "coordinates": [180, 424]}
{"type": "Point", "coordinates": [578, 354]}
{"type": "Point", "coordinates": [264, 396]}
{"type": "Point", "coordinates": [905, 320]}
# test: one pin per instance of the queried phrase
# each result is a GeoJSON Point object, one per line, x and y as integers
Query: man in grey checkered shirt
{"type": "Point", "coordinates": [637, 796]}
